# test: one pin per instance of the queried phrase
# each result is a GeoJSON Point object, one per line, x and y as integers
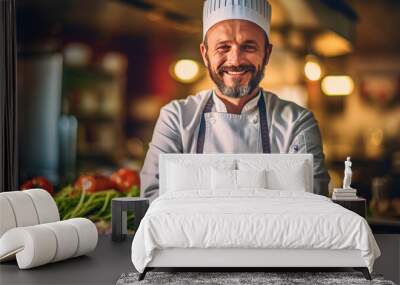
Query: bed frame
{"type": "Point", "coordinates": [241, 259]}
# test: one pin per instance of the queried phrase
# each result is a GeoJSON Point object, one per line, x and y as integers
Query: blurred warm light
{"type": "Point", "coordinates": [331, 44]}
{"type": "Point", "coordinates": [77, 54]}
{"type": "Point", "coordinates": [376, 137]}
{"type": "Point", "coordinates": [136, 147]}
{"type": "Point", "coordinates": [296, 39]}
{"type": "Point", "coordinates": [186, 70]}
{"type": "Point", "coordinates": [277, 38]}
{"type": "Point", "coordinates": [145, 109]}
{"type": "Point", "coordinates": [114, 62]}
{"type": "Point", "coordinates": [337, 85]}
{"type": "Point", "coordinates": [312, 70]}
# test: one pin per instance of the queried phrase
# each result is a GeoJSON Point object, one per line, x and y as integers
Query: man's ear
{"type": "Point", "coordinates": [203, 51]}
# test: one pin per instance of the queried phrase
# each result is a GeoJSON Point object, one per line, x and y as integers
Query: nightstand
{"type": "Point", "coordinates": [119, 208]}
{"type": "Point", "coordinates": [357, 205]}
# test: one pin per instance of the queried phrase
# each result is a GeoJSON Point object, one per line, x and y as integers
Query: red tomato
{"type": "Point", "coordinates": [94, 183]}
{"type": "Point", "coordinates": [125, 178]}
{"type": "Point", "coordinates": [38, 182]}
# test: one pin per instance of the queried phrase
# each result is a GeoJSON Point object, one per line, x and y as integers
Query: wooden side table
{"type": "Point", "coordinates": [357, 205]}
{"type": "Point", "coordinates": [119, 208]}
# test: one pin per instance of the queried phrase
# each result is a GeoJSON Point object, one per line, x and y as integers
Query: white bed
{"type": "Point", "coordinates": [208, 226]}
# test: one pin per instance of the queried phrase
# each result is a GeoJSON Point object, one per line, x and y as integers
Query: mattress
{"type": "Point", "coordinates": [250, 219]}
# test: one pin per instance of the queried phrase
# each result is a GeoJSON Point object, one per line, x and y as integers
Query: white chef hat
{"type": "Point", "coordinates": [256, 11]}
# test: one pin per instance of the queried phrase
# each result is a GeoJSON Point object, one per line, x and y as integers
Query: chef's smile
{"type": "Point", "coordinates": [233, 79]}
{"type": "Point", "coordinates": [241, 74]}
{"type": "Point", "coordinates": [236, 74]}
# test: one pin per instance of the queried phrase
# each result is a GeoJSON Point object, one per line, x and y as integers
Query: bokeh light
{"type": "Point", "coordinates": [186, 70]}
{"type": "Point", "coordinates": [340, 85]}
{"type": "Point", "coordinates": [312, 70]}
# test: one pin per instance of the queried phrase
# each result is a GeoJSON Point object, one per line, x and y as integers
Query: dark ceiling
{"type": "Point", "coordinates": [376, 28]}
{"type": "Point", "coordinates": [42, 18]}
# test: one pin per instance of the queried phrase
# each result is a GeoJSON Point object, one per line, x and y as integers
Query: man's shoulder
{"type": "Point", "coordinates": [276, 102]}
{"type": "Point", "coordinates": [284, 108]}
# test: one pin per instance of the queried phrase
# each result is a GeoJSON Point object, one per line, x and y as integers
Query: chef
{"type": "Point", "coordinates": [237, 116]}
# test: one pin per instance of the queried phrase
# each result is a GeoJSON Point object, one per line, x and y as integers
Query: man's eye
{"type": "Point", "coordinates": [249, 48]}
{"type": "Point", "coordinates": [223, 48]}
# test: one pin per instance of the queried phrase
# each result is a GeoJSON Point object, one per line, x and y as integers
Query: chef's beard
{"type": "Point", "coordinates": [238, 90]}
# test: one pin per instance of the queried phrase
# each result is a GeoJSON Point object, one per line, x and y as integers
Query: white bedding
{"type": "Point", "coordinates": [252, 218]}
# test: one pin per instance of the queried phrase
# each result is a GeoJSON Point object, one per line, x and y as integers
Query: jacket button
{"type": "Point", "coordinates": [255, 120]}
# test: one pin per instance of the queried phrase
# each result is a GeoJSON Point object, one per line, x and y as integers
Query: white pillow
{"type": "Point", "coordinates": [190, 176]}
{"type": "Point", "coordinates": [182, 177]}
{"type": "Point", "coordinates": [251, 178]}
{"type": "Point", "coordinates": [222, 179]}
{"type": "Point", "coordinates": [281, 175]}
{"type": "Point", "coordinates": [293, 179]}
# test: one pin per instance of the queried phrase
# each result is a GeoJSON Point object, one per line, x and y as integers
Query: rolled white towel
{"type": "Point", "coordinates": [45, 205]}
{"type": "Point", "coordinates": [87, 235]}
{"type": "Point", "coordinates": [33, 246]}
{"type": "Point", "coordinates": [26, 208]}
{"type": "Point", "coordinates": [66, 238]}
{"type": "Point", "coordinates": [40, 244]}
{"type": "Point", "coordinates": [7, 218]}
{"type": "Point", "coordinates": [23, 208]}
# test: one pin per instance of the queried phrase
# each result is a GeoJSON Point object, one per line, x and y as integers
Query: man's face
{"type": "Point", "coordinates": [235, 53]}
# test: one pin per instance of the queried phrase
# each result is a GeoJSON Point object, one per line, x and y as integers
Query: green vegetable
{"type": "Point", "coordinates": [73, 202]}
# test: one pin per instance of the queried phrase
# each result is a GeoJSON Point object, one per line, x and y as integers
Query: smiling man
{"type": "Point", "coordinates": [237, 116]}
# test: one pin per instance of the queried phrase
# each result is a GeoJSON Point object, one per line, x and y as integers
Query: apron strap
{"type": "Point", "coordinates": [202, 129]}
{"type": "Point", "coordinates": [263, 122]}
{"type": "Point", "coordinates": [264, 125]}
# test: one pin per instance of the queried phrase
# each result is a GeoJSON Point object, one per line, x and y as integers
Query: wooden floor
{"type": "Point", "coordinates": [103, 266]}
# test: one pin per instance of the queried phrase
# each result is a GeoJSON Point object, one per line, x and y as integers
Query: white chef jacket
{"type": "Point", "coordinates": [292, 129]}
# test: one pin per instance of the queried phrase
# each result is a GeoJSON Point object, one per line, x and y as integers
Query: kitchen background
{"type": "Point", "coordinates": [93, 75]}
